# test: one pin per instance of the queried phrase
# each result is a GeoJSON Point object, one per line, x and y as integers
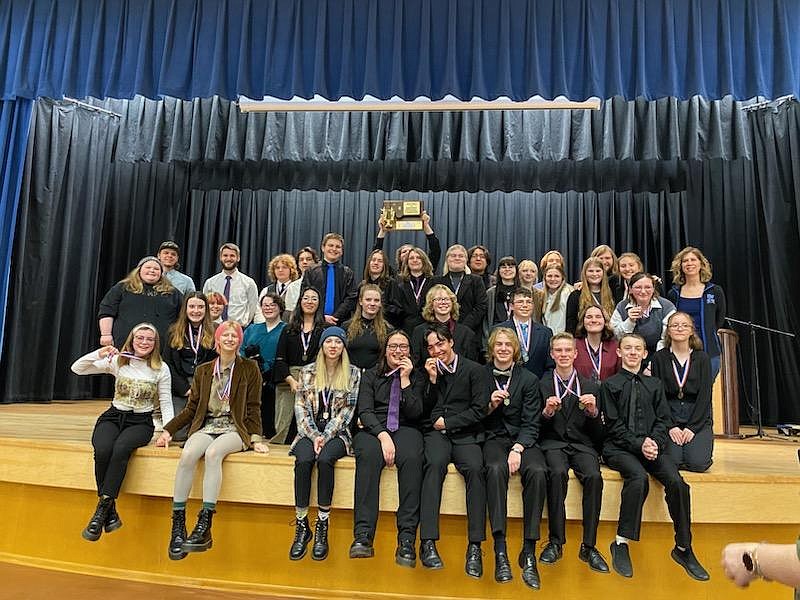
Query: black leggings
{"type": "Point", "coordinates": [305, 458]}
{"type": "Point", "coordinates": [116, 435]}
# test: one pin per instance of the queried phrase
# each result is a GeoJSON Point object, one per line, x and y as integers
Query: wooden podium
{"type": "Point", "coordinates": [725, 395]}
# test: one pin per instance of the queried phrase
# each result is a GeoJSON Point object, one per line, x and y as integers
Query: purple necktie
{"type": "Point", "coordinates": [393, 418]}
{"type": "Point", "coordinates": [227, 293]}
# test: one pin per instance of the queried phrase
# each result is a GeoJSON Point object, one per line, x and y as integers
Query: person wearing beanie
{"type": "Point", "coordinates": [169, 254]}
{"type": "Point", "coordinates": [224, 411]}
{"type": "Point", "coordinates": [326, 403]}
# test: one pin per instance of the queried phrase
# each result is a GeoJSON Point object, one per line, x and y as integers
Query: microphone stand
{"type": "Point", "coordinates": [760, 434]}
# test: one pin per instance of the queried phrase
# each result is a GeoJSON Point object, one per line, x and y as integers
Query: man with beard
{"type": "Point", "coordinates": [239, 290]}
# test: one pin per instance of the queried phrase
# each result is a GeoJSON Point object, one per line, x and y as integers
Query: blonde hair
{"type": "Point", "coordinates": [527, 263]}
{"type": "Point", "coordinates": [153, 359]}
{"type": "Point", "coordinates": [678, 277]}
{"type": "Point", "coordinates": [512, 337]}
{"type": "Point", "coordinates": [695, 343]}
{"type": "Point", "coordinates": [341, 375]}
{"type": "Point", "coordinates": [543, 262]}
{"type": "Point", "coordinates": [133, 282]}
{"type": "Point", "coordinates": [286, 259]}
{"type": "Point", "coordinates": [586, 297]}
{"type": "Point", "coordinates": [603, 249]}
{"type": "Point", "coordinates": [427, 310]}
{"type": "Point", "coordinates": [446, 268]}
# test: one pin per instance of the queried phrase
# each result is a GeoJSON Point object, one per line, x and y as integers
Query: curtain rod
{"type": "Point", "coordinates": [92, 107]}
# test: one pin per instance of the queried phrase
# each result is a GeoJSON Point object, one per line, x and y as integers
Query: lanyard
{"type": "Point", "coordinates": [417, 291]}
{"type": "Point", "coordinates": [567, 386]}
{"type": "Point", "coordinates": [681, 379]}
{"type": "Point", "coordinates": [306, 341]}
{"type": "Point", "coordinates": [195, 344]}
{"type": "Point", "coordinates": [595, 357]}
{"type": "Point", "coordinates": [524, 339]}
{"type": "Point", "coordinates": [325, 396]}
{"type": "Point", "coordinates": [224, 394]}
{"type": "Point", "coordinates": [443, 367]}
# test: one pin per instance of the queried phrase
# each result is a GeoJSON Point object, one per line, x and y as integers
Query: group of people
{"type": "Point", "coordinates": [496, 373]}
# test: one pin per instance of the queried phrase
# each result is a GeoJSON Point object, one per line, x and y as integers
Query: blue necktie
{"type": "Point", "coordinates": [524, 327]}
{"type": "Point", "coordinates": [329, 291]}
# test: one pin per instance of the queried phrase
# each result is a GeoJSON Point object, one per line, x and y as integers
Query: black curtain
{"type": "Point", "coordinates": [58, 255]}
{"type": "Point", "coordinates": [201, 173]}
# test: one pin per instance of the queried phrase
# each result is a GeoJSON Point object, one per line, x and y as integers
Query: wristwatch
{"type": "Point", "coordinates": [517, 450]}
{"type": "Point", "coordinates": [747, 560]}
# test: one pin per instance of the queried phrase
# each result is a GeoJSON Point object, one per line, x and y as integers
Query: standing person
{"type": "Point", "coordinates": [305, 258]}
{"type": "Point", "coordinates": [144, 296]}
{"type": "Point", "coordinates": [514, 407]}
{"type": "Point", "coordinates": [637, 423]}
{"type": "Point", "coordinates": [335, 281]}
{"type": "Point", "coordinates": [441, 306]}
{"type": "Point", "coordinates": [434, 246]}
{"type": "Point", "coordinates": [572, 432]}
{"type": "Point", "coordinates": [409, 290]}
{"type": "Point", "coordinates": [261, 343]}
{"type": "Point", "coordinates": [326, 402]}
{"type": "Point", "coordinates": [597, 347]}
{"type": "Point", "coordinates": [298, 346]}
{"type": "Point", "coordinates": [367, 330]}
{"type": "Point", "coordinates": [377, 271]}
{"type": "Point", "coordinates": [644, 313]}
{"type": "Point", "coordinates": [224, 417]}
{"type": "Point", "coordinates": [629, 264]}
{"type": "Point", "coordinates": [389, 407]}
{"type": "Point", "coordinates": [534, 338]}
{"type": "Point", "coordinates": [453, 432]}
{"type": "Point", "coordinates": [216, 304]}
{"type": "Point", "coordinates": [694, 293]}
{"type": "Point", "coordinates": [557, 290]}
{"type": "Point", "coordinates": [593, 290]}
{"type": "Point", "coordinates": [168, 254]}
{"type": "Point", "coordinates": [529, 279]}
{"type": "Point", "coordinates": [469, 289]}
{"type": "Point", "coordinates": [142, 379]}
{"type": "Point", "coordinates": [238, 289]}
{"type": "Point", "coordinates": [479, 261]}
{"type": "Point", "coordinates": [282, 271]}
{"type": "Point", "coordinates": [191, 343]}
{"type": "Point", "coordinates": [499, 297]}
{"type": "Point", "coordinates": [685, 371]}
{"type": "Point", "coordinates": [551, 258]}
{"type": "Point", "coordinates": [606, 255]}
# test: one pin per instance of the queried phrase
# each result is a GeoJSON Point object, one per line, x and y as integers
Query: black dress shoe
{"type": "Point", "coordinates": [621, 559]}
{"type": "Point", "coordinates": [405, 555]}
{"type": "Point", "coordinates": [530, 574]}
{"type": "Point", "coordinates": [502, 568]}
{"type": "Point", "coordinates": [474, 564]}
{"type": "Point", "coordinates": [361, 548]}
{"type": "Point", "coordinates": [551, 553]}
{"type": "Point", "coordinates": [688, 561]}
{"type": "Point", "coordinates": [592, 556]}
{"type": "Point", "coordinates": [113, 522]}
{"type": "Point", "coordinates": [429, 556]}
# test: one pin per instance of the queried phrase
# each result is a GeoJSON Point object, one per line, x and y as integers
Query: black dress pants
{"type": "Point", "coordinates": [533, 473]}
{"type": "Point", "coordinates": [636, 485]}
{"type": "Point", "coordinates": [468, 459]}
{"type": "Point", "coordinates": [116, 435]}
{"type": "Point", "coordinates": [369, 465]}
{"type": "Point", "coordinates": [304, 461]}
{"type": "Point", "coordinates": [587, 470]}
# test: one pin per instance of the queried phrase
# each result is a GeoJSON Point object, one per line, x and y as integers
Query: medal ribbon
{"type": "Point", "coordinates": [195, 345]}
{"type": "Point", "coordinates": [325, 396]}
{"type": "Point", "coordinates": [525, 340]}
{"type": "Point", "coordinates": [680, 379]}
{"type": "Point", "coordinates": [225, 393]}
{"type": "Point", "coordinates": [306, 341]}
{"type": "Point", "coordinates": [443, 367]}
{"type": "Point", "coordinates": [567, 386]}
{"type": "Point", "coordinates": [595, 356]}
{"type": "Point", "coordinates": [417, 291]}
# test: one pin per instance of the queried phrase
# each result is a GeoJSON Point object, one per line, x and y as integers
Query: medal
{"type": "Point", "coordinates": [223, 392]}
{"type": "Point", "coordinates": [325, 395]}
{"type": "Point", "coordinates": [681, 378]}
{"type": "Point", "coordinates": [504, 388]}
{"type": "Point", "coordinates": [596, 356]}
{"type": "Point", "coordinates": [306, 341]}
{"type": "Point", "coordinates": [567, 386]}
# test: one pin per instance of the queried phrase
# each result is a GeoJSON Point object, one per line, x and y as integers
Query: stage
{"type": "Point", "coordinates": [46, 488]}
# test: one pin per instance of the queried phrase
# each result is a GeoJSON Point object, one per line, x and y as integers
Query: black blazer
{"type": "Point", "coordinates": [471, 299]}
{"type": "Point", "coordinates": [402, 309]}
{"type": "Point", "coordinates": [571, 427]}
{"type": "Point", "coordinates": [373, 399]}
{"type": "Point", "coordinates": [461, 399]}
{"type": "Point", "coordinates": [521, 419]}
{"type": "Point", "coordinates": [539, 359]}
{"type": "Point", "coordinates": [345, 288]}
{"type": "Point", "coordinates": [465, 343]}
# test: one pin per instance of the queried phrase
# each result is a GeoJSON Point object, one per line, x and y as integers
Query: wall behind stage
{"type": "Point", "coordinates": [192, 176]}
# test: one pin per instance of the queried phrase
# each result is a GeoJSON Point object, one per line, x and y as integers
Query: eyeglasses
{"type": "Point", "coordinates": [144, 340]}
{"type": "Point", "coordinates": [395, 347]}
{"type": "Point", "coordinates": [680, 326]}
{"type": "Point", "coordinates": [442, 300]}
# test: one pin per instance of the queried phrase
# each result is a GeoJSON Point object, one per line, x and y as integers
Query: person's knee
{"type": "Point", "coordinates": [496, 471]}
{"type": "Point", "coordinates": [638, 482]}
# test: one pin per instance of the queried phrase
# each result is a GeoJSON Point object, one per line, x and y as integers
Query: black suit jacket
{"type": "Point", "coordinates": [471, 300]}
{"type": "Point", "coordinates": [460, 398]}
{"type": "Point", "coordinates": [465, 343]}
{"type": "Point", "coordinates": [402, 309]}
{"type": "Point", "coordinates": [539, 359]}
{"type": "Point", "coordinates": [571, 427]}
{"type": "Point", "coordinates": [345, 288]}
{"type": "Point", "coordinates": [520, 420]}
{"type": "Point", "coordinates": [373, 399]}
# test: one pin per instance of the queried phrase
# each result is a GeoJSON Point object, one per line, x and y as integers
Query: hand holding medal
{"type": "Point", "coordinates": [551, 406]}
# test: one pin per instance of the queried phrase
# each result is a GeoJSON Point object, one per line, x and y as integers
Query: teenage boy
{"type": "Point", "coordinates": [638, 419]}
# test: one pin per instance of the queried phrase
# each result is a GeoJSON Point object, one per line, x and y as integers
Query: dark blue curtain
{"type": "Point", "coordinates": [406, 48]}
{"type": "Point", "coordinates": [15, 120]}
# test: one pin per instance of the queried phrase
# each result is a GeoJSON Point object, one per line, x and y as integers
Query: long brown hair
{"type": "Point", "coordinates": [580, 330]}
{"type": "Point", "coordinates": [586, 297]}
{"type": "Point", "coordinates": [356, 326]}
{"type": "Point", "coordinates": [180, 328]}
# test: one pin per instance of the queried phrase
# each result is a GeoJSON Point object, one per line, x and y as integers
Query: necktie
{"type": "Point", "coordinates": [393, 417]}
{"type": "Point", "coordinates": [501, 373]}
{"type": "Point", "coordinates": [281, 287]}
{"type": "Point", "coordinates": [329, 291]}
{"type": "Point", "coordinates": [227, 293]}
{"type": "Point", "coordinates": [524, 328]}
